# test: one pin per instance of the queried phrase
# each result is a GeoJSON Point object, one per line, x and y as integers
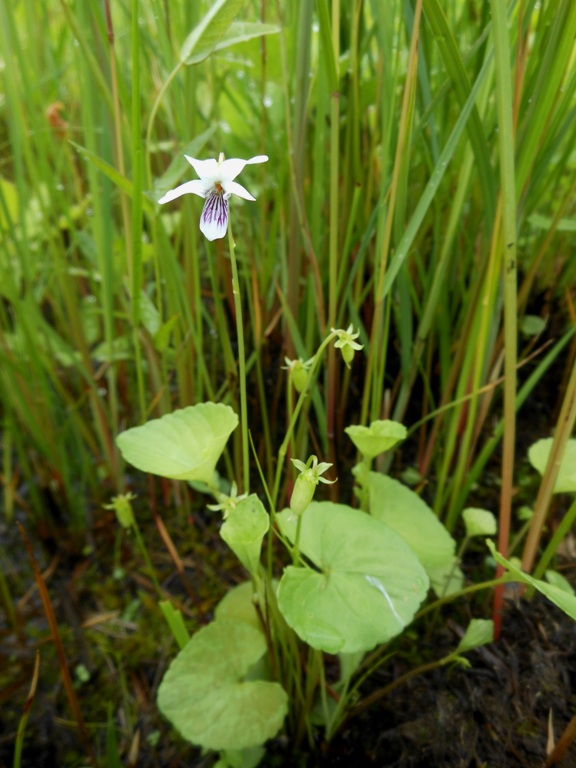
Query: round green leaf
{"type": "Point", "coordinates": [532, 325]}
{"type": "Point", "coordinates": [407, 514]}
{"type": "Point", "coordinates": [238, 604]}
{"type": "Point", "coordinates": [380, 436]}
{"type": "Point", "coordinates": [538, 454]}
{"type": "Point", "coordinates": [367, 587]}
{"type": "Point", "coordinates": [184, 445]}
{"type": "Point", "coordinates": [244, 529]}
{"type": "Point", "coordinates": [479, 522]}
{"type": "Point", "coordinates": [205, 696]}
{"type": "Point", "coordinates": [479, 632]}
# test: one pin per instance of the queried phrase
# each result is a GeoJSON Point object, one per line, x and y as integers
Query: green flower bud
{"type": "Point", "coordinates": [123, 508]}
{"type": "Point", "coordinates": [346, 343]}
{"type": "Point", "coordinates": [302, 494]}
{"type": "Point", "coordinates": [227, 504]}
{"type": "Point", "coordinates": [306, 482]}
{"type": "Point", "coordinates": [298, 372]}
{"type": "Point", "coordinates": [347, 355]}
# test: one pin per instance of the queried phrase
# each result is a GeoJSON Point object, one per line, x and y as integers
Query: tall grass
{"type": "Point", "coordinates": [380, 207]}
{"type": "Point", "coordinates": [421, 187]}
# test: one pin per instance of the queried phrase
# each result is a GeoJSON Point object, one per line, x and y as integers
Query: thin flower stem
{"type": "Point", "coordinates": [153, 111]}
{"type": "Point", "coordinates": [241, 361]}
{"type": "Point", "coordinates": [296, 550]}
{"type": "Point", "coordinates": [284, 447]}
{"type": "Point", "coordinates": [144, 552]}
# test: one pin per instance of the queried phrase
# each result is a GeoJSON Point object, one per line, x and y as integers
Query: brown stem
{"type": "Point", "coordinates": [58, 645]}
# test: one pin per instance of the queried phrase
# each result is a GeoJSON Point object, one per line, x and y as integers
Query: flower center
{"type": "Point", "coordinates": [218, 188]}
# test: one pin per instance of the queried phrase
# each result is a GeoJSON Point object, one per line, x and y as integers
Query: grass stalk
{"type": "Point", "coordinates": [381, 206]}
{"type": "Point", "coordinates": [60, 651]}
{"type": "Point", "coordinates": [524, 392]}
{"type": "Point", "coordinates": [506, 146]}
{"type": "Point", "coordinates": [297, 137]}
{"type": "Point", "coordinates": [334, 220]}
{"type": "Point", "coordinates": [565, 426]}
{"type": "Point", "coordinates": [556, 539]}
{"type": "Point", "coordinates": [135, 268]}
{"type": "Point", "coordinates": [376, 361]}
{"type": "Point", "coordinates": [19, 741]}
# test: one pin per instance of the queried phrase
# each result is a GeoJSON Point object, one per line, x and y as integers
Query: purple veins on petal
{"type": "Point", "coordinates": [214, 218]}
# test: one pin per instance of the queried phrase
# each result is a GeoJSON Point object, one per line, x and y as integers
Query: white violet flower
{"type": "Point", "coordinates": [216, 184]}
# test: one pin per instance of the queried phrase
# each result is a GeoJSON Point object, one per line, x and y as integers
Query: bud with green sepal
{"type": "Point", "coordinates": [298, 372]}
{"type": "Point", "coordinates": [346, 343]}
{"type": "Point", "coordinates": [306, 482]}
{"type": "Point", "coordinates": [122, 506]}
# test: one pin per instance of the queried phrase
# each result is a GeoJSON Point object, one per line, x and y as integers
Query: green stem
{"type": "Point", "coordinates": [382, 692]}
{"type": "Point", "coordinates": [554, 543]}
{"type": "Point", "coordinates": [284, 447]}
{"type": "Point", "coordinates": [333, 228]}
{"type": "Point", "coordinates": [241, 360]}
{"type": "Point", "coordinates": [19, 743]}
{"type": "Point", "coordinates": [153, 111]}
{"type": "Point", "coordinates": [373, 661]}
{"type": "Point", "coordinates": [505, 579]}
{"type": "Point", "coordinates": [144, 552]}
{"type": "Point", "coordinates": [296, 550]}
{"type": "Point", "coordinates": [137, 211]}
{"type": "Point", "coordinates": [564, 428]}
{"type": "Point", "coordinates": [500, 31]}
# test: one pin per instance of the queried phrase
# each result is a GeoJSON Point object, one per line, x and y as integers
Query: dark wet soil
{"type": "Point", "coordinates": [495, 714]}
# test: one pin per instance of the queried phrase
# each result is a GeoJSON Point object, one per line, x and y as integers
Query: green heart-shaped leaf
{"type": "Point", "coordinates": [479, 522]}
{"type": "Point", "coordinates": [406, 513]}
{"type": "Point", "coordinates": [367, 587]}
{"type": "Point", "coordinates": [380, 436]}
{"type": "Point", "coordinates": [479, 632]}
{"type": "Point", "coordinates": [205, 696]}
{"type": "Point", "coordinates": [538, 454]}
{"type": "Point", "coordinates": [239, 604]}
{"type": "Point", "coordinates": [184, 445]}
{"type": "Point", "coordinates": [244, 529]}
